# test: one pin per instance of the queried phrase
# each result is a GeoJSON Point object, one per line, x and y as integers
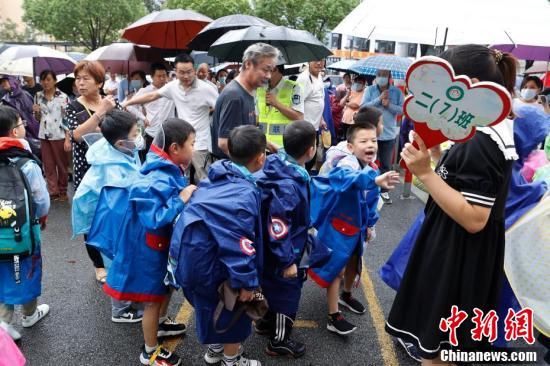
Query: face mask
{"type": "Point", "coordinates": [130, 147]}
{"type": "Point", "coordinates": [381, 81]}
{"type": "Point", "coordinates": [528, 94]}
{"type": "Point", "coordinates": [222, 80]}
{"type": "Point", "coordinates": [135, 84]}
{"type": "Point", "coordinates": [357, 87]}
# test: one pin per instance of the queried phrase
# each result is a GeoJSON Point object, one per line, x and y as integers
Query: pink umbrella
{"type": "Point", "coordinates": [169, 28]}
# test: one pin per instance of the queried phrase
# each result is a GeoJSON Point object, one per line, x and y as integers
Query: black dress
{"type": "Point", "coordinates": [448, 265]}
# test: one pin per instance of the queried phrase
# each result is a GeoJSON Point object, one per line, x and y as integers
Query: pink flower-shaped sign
{"type": "Point", "coordinates": [448, 107]}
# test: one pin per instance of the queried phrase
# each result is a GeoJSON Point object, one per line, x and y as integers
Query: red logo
{"type": "Point", "coordinates": [278, 228]}
{"type": "Point", "coordinates": [486, 326]}
{"type": "Point", "coordinates": [246, 246]}
{"type": "Point", "coordinates": [452, 323]}
{"type": "Point", "coordinates": [519, 325]}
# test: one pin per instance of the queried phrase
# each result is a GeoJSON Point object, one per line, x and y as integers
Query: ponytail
{"type": "Point", "coordinates": [507, 67]}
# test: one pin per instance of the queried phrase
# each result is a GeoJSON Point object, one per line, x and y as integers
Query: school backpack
{"type": "Point", "coordinates": [19, 230]}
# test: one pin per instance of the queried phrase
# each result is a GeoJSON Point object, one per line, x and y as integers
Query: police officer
{"type": "Point", "coordinates": [278, 104]}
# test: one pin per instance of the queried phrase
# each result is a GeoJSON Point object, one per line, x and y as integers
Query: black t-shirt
{"type": "Point", "coordinates": [235, 107]}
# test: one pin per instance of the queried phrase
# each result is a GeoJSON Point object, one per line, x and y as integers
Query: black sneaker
{"type": "Point", "coordinates": [170, 328]}
{"type": "Point", "coordinates": [159, 357]}
{"type": "Point", "coordinates": [337, 324]}
{"type": "Point", "coordinates": [351, 303]}
{"type": "Point", "coordinates": [287, 347]}
{"type": "Point", "coordinates": [411, 350]}
{"type": "Point", "coordinates": [386, 198]}
{"type": "Point", "coordinates": [263, 327]}
{"type": "Point", "coordinates": [131, 316]}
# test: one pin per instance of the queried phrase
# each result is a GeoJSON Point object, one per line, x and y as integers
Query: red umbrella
{"type": "Point", "coordinates": [169, 28]}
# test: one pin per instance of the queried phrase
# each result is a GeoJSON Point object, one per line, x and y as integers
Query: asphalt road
{"type": "Point", "coordinates": [79, 331]}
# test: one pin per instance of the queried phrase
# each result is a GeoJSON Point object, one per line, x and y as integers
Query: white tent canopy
{"type": "Point", "coordinates": [467, 21]}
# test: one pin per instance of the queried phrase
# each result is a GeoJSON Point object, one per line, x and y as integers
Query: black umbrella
{"type": "Point", "coordinates": [220, 26]}
{"type": "Point", "coordinates": [295, 45]}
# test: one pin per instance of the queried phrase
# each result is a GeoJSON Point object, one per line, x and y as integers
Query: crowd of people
{"type": "Point", "coordinates": [227, 189]}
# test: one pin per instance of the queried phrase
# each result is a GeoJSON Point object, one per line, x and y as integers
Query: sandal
{"type": "Point", "coordinates": [101, 275]}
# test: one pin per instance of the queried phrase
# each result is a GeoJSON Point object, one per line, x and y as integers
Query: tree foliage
{"type": "Point", "coordinates": [315, 16]}
{"type": "Point", "coordinates": [88, 23]}
{"type": "Point", "coordinates": [9, 32]}
{"type": "Point", "coordinates": [212, 8]}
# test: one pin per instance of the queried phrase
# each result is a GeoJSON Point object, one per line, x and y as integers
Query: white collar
{"type": "Point", "coordinates": [503, 135]}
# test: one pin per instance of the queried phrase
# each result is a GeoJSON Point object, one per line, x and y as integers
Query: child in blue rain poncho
{"type": "Point", "coordinates": [22, 284]}
{"type": "Point", "coordinates": [113, 162]}
{"type": "Point", "coordinates": [343, 210]}
{"type": "Point", "coordinates": [285, 216]}
{"type": "Point", "coordinates": [218, 240]}
{"type": "Point", "coordinates": [143, 218]}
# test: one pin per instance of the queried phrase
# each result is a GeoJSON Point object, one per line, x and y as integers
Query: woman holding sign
{"type": "Point", "coordinates": [457, 261]}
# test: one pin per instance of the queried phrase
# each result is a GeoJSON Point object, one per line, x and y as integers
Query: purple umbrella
{"type": "Point", "coordinates": [37, 58]}
{"type": "Point", "coordinates": [525, 52]}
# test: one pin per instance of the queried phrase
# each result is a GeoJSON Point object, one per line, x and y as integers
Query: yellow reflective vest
{"type": "Point", "coordinates": [271, 120]}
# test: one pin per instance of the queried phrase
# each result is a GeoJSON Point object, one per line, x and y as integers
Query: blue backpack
{"type": "Point", "coordinates": [19, 230]}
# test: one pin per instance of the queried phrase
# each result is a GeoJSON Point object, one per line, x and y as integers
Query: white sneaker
{"type": "Point", "coordinates": [14, 334]}
{"type": "Point", "coordinates": [41, 311]}
{"type": "Point", "coordinates": [242, 361]}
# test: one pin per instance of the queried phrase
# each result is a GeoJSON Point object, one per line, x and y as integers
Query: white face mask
{"type": "Point", "coordinates": [528, 94]}
{"type": "Point", "coordinates": [381, 81]}
{"type": "Point", "coordinates": [130, 147]}
{"type": "Point", "coordinates": [357, 87]}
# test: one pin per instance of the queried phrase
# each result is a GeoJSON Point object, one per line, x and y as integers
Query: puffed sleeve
{"type": "Point", "coordinates": [480, 170]}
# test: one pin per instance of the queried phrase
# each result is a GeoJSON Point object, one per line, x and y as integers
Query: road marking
{"type": "Point", "coordinates": [184, 314]}
{"type": "Point", "coordinates": [305, 324]}
{"type": "Point", "coordinates": [378, 319]}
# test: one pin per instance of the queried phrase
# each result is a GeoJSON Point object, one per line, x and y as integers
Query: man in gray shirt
{"type": "Point", "coordinates": [236, 105]}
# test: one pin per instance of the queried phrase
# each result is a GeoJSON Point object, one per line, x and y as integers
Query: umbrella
{"type": "Point", "coordinates": [525, 52]}
{"type": "Point", "coordinates": [169, 28]}
{"type": "Point", "coordinates": [77, 56]}
{"type": "Point", "coordinates": [32, 60]}
{"type": "Point", "coordinates": [295, 45]}
{"type": "Point", "coordinates": [369, 66]}
{"type": "Point", "coordinates": [539, 67]}
{"type": "Point", "coordinates": [66, 84]}
{"type": "Point", "coordinates": [121, 58]}
{"type": "Point", "coordinates": [342, 65]}
{"type": "Point", "coordinates": [220, 26]}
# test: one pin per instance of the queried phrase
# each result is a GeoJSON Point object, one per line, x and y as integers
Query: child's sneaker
{"type": "Point", "coordinates": [337, 324]}
{"type": "Point", "coordinates": [214, 357]}
{"type": "Point", "coordinates": [14, 334]}
{"type": "Point", "coordinates": [287, 347]}
{"type": "Point", "coordinates": [411, 350]}
{"type": "Point", "coordinates": [40, 312]}
{"type": "Point", "coordinates": [170, 328]}
{"type": "Point", "coordinates": [131, 316]}
{"type": "Point", "coordinates": [159, 357]}
{"type": "Point", "coordinates": [240, 361]}
{"type": "Point", "coordinates": [351, 303]}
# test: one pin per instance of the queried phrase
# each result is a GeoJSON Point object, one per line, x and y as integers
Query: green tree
{"type": "Point", "coordinates": [212, 8]}
{"type": "Point", "coordinates": [9, 31]}
{"type": "Point", "coordinates": [88, 23]}
{"type": "Point", "coordinates": [315, 16]}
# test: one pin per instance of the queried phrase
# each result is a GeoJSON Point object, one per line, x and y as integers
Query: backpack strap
{"type": "Point", "coordinates": [32, 221]}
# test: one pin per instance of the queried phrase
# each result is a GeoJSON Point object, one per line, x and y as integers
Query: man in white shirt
{"type": "Point", "coordinates": [111, 85]}
{"type": "Point", "coordinates": [314, 98]}
{"type": "Point", "coordinates": [194, 100]}
{"type": "Point", "coordinates": [152, 114]}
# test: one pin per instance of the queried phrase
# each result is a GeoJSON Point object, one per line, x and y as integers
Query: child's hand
{"type": "Point", "coordinates": [291, 272]}
{"type": "Point", "coordinates": [245, 295]}
{"type": "Point", "coordinates": [187, 192]}
{"type": "Point", "coordinates": [387, 180]}
{"type": "Point", "coordinates": [369, 234]}
{"type": "Point", "coordinates": [417, 160]}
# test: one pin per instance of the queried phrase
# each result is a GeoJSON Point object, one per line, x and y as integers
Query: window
{"type": "Point", "coordinates": [360, 44]}
{"type": "Point", "coordinates": [411, 49]}
{"type": "Point", "coordinates": [336, 41]}
{"type": "Point", "coordinates": [384, 47]}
